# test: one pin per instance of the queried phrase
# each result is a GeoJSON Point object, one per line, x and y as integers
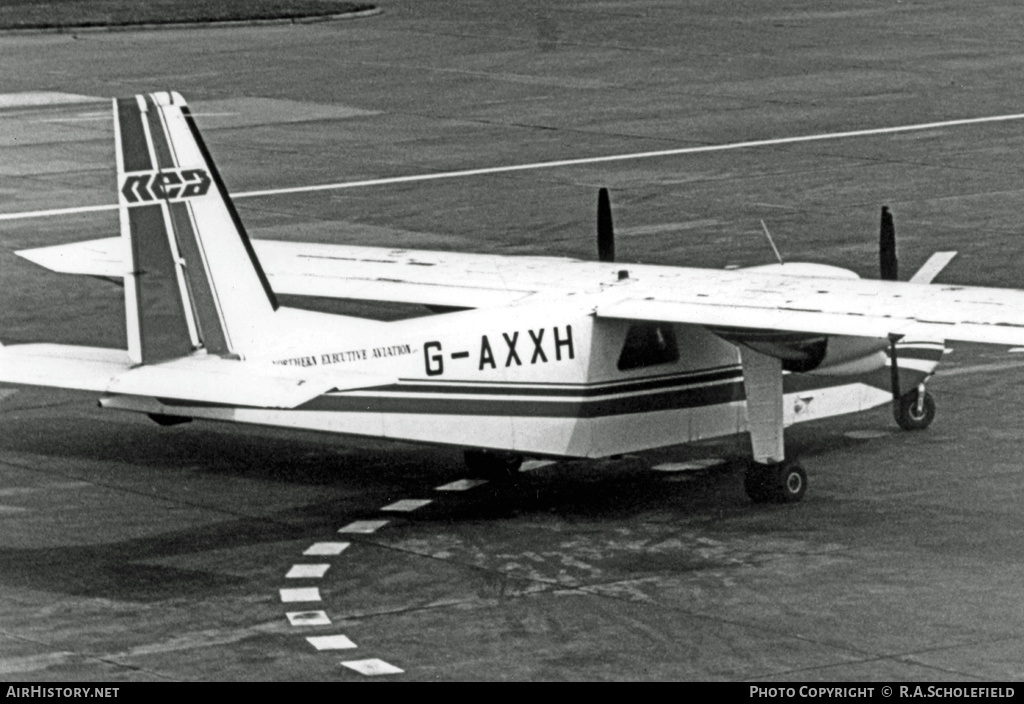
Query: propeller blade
{"type": "Point", "coordinates": [887, 247]}
{"type": "Point", "coordinates": [605, 229]}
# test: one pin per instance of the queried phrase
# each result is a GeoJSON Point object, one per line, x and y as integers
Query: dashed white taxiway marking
{"type": "Point", "coordinates": [535, 464]}
{"type": "Point", "coordinates": [330, 642]}
{"type": "Point", "coordinates": [308, 618]}
{"type": "Point", "coordinates": [691, 466]}
{"type": "Point", "coordinates": [307, 571]}
{"type": "Point", "coordinates": [301, 594]}
{"type": "Point", "coordinates": [461, 485]}
{"type": "Point", "coordinates": [564, 162]}
{"type": "Point", "coordinates": [372, 667]}
{"type": "Point", "coordinates": [406, 505]}
{"type": "Point", "coordinates": [326, 548]}
{"type": "Point", "coordinates": [364, 527]}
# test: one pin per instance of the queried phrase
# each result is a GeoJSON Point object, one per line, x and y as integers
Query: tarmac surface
{"type": "Point", "coordinates": [134, 552]}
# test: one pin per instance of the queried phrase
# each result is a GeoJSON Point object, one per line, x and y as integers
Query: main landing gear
{"type": "Point", "coordinates": [770, 477]}
{"type": "Point", "coordinates": [778, 483]}
{"type": "Point", "coordinates": [493, 465]}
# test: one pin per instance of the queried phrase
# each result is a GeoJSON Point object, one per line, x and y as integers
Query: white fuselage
{"type": "Point", "coordinates": [537, 379]}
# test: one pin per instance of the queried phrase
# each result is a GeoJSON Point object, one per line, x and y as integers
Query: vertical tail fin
{"type": "Point", "coordinates": [195, 283]}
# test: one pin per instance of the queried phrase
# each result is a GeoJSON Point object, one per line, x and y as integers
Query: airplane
{"type": "Point", "coordinates": [525, 356]}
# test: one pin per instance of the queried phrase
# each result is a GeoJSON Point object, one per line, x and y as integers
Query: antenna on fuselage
{"type": "Point", "coordinates": [771, 242]}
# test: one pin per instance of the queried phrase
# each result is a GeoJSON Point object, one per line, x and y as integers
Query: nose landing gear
{"type": "Point", "coordinates": [915, 410]}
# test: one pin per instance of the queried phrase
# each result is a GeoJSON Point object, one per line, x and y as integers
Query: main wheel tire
{"type": "Point", "coordinates": [909, 417]}
{"type": "Point", "coordinates": [492, 464]}
{"type": "Point", "coordinates": [782, 483]}
{"type": "Point", "coordinates": [790, 484]}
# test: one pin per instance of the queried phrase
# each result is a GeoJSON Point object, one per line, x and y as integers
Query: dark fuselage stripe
{"type": "Point", "coordinates": [664, 400]}
{"type": "Point", "coordinates": [575, 390]}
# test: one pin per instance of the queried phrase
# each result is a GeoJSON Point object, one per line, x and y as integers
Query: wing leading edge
{"type": "Point", "coordinates": [822, 305]}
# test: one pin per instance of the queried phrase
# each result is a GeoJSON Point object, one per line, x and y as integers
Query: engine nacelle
{"type": "Point", "coordinates": [825, 355]}
{"type": "Point", "coordinates": [833, 355]}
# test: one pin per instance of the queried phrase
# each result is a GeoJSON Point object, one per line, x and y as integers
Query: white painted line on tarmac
{"type": "Point", "coordinates": [301, 594]}
{"type": "Point", "coordinates": [563, 162]}
{"type": "Point", "coordinates": [980, 368]}
{"type": "Point", "coordinates": [308, 618]}
{"type": "Point", "coordinates": [634, 155]}
{"type": "Point", "coordinates": [326, 548]}
{"type": "Point", "coordinates": [57, 211]}
{"type": "Point", "coordinates": [330, 642]}
{"type": "Point", "coordinates": [364, 527]}
{"type": "Point", "coordinates": [406, 505]}
{"type": "Point", "coordinates": [461, 485]}
{"type": "Point", "coordinates": [372, 667]}
{"type": "Point", "coordinates": [535, 464]}
{"type": "Point", "coordinates": [307, 571]}
{"type": "Point", "coordinates": [691, 466]}
{"type": "Point", "coordinates": [79, 118]}
{"type": "Point", "coordinates": [12, 509]}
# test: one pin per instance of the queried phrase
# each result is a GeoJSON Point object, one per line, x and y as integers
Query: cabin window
{"type": "Point", "coordinates": [648, 344]}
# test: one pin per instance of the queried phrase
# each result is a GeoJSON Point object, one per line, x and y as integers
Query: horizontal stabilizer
{"type": "Point", "coordinates": [92, 257]}
{"type": "Point", "coordinates": [200, 379]}
{"type": "Point", "coordinates": [63, 366]}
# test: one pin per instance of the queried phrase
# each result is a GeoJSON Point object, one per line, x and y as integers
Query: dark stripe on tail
{"type": "Point", "coordinates": [163, 328]}
{"type": "Point", "coordinates": [134, 150]}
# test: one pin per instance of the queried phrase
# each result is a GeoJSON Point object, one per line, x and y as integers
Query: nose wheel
{"type": "Point", "coordinates": [778, 483]}
{"type": "Point", "coordinates": [915, 410]}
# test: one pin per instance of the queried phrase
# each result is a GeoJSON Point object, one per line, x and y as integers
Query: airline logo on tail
{"type": "Point", "coordinates": [173, 184]}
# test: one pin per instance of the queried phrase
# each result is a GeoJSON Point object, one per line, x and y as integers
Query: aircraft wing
{"type": "Point", "coordinates": [790, 298]}
{"type": "Point", "coordinates": [756, 300]}
{"type": "Point", "coordinates": [343, 271]}
{"type": "Point", "coordinates": [204, 379]}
